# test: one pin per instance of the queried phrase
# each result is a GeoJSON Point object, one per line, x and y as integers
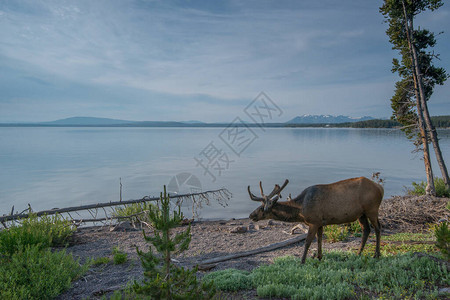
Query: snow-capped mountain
{"type": "Point", "coordinates": [325, 119]}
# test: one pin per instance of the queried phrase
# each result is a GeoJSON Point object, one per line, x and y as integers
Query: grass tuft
{"type": "Point", "coordinates": [101, 261]}
{"type": "Point", "coordinates": [119, 257]}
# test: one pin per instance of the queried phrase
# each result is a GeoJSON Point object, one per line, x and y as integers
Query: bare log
{"type": "Point", "coordinates": [205, 263]}
{"type": "Point", "coordinates": [109, 204]}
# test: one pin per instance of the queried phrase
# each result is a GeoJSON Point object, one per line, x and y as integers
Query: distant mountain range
{"type": "Point", "coordinates": [107, 122]}
{"type": "Point", "coordinates": [92, 122]}
{"type": "Point", "coordinates": [88, 121]}
{"type": "Point", "coordinates": [300, 121]}
{"type": "Point", "coordinates": [326, 119]}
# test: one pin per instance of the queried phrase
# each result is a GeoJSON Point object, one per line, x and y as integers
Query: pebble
{"type": "Point", "coordinates": [239, 229]}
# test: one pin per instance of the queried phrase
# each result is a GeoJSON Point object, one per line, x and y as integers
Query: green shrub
{"type": "Point", "coordinates": [442, 234]}
{"type": "Point", "coordinates": [419, 188]}
{"type": "Point", "coordinates": [335, 233]}
{"type": "Point", "coordinates": [230, 280]}
{"type": "Point", "coordinates": [119, 257]}
{"type": "Point", "coordinates": [33, 273]}
{"type": "Point", "coordinates": [138, 211]}
{"type": "Point", "coordinates": [45, 231]}
{"type": "Point", "coordinates": [101, 261]}
{"type": "Point", "coordinates": [354, 227]}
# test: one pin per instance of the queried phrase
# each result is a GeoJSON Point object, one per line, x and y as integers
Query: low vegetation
{"type": "Point", "coordinates": [29, 269]}
{"type": "Point", "coordinates": [340, 275]}
{"type": "Point", "coordinates": [442, 234]}
{"type": "Point", "coordinates": [418, 189]}
{"type": "Point", "coordinates": [337, 233]}
{"type": "Point", "coordinates": [136, 213]}
{"type": "Point", "coordinates": [43, 232]}
{"type": "Point", "coordinates": [101, 261]}
{"type": "Point", "coordinates": [119, 257]}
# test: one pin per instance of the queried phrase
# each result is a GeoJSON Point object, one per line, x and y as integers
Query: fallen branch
{"type": "Point", "coordinates": [204, 264]}
{"type": "Point", "coordinates": [220, 193]}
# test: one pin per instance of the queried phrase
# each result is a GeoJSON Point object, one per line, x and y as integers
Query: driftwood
{"type": "Point", "coordinates": [220, 194]}
{"type": "Point", "coordinates": [208, 262]}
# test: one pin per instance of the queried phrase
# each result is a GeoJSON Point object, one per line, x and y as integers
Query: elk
{"type": "Point", "coordinates": [324, 204]}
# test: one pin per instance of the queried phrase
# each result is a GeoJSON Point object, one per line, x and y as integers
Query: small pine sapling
{"type": "Point", "coordinates": [162, 279]}
{"type": "Point", "coordinates": [442, 234]}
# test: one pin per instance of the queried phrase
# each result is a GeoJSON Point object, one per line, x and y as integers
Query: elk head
{"type": "Point", "coordinates": [268, 201]}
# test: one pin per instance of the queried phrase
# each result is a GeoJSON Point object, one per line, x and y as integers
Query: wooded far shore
{"type": "Point", "coordinates": [438, 122]}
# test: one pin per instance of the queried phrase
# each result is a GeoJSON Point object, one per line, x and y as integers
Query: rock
{"type": "Point", "coordinates": [251, 226]}
{"type": "Point", "coordinates": [239, 229]}
{"type": "Point", "coordinates": [302, 227]}
{"type": "Point", "coordinates": [186, 222]}
{"type": "Point", "coordinates": [124, 227]}
{"type": "Point", "coordinates": [271, 222]}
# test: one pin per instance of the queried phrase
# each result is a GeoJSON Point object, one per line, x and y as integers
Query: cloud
{"type": "Point", "coordinates": [164, 54]}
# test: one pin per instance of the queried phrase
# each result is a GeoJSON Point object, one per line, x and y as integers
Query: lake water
{"type": "Point", "coordinates": [60, 167]}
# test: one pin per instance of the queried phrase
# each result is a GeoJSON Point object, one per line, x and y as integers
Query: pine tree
{"type": "Point", "coordinates": [164, 280]}
{"type": "Point", "coordinates": [419, 76]}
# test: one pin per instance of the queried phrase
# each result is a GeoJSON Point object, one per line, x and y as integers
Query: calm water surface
{"type": "Point", "coordinates": [59, 167]}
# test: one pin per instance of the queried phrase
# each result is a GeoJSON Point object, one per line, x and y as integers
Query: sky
{"type": "Point", "coordinates": [200, 60]}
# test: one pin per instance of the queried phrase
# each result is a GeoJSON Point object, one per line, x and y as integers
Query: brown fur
{"type": "Point", "coordinates": [336, 203]}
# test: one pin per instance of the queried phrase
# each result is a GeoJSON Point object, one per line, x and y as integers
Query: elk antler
{"type": "Point", "coordinates": [276, 191]}
{"type": "Point", "coordinates": [253, 197]}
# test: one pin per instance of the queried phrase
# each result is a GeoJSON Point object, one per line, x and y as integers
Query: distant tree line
{"type": "Point", "coordinates": [377, 123]}
{"type": "Point", "coordinates": [441, 121]}
{"type": "Point", "coordinates": [438, 121]}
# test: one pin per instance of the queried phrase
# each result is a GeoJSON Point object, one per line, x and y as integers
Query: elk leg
{"type": "Point", "coordinates": [319, 242]}
{"type": "Point", "coordinates": [312, 231]}
{"type": "Point", "coordinates": [376, 224]}
{"type": "Point", "coordinates": [366, 231]}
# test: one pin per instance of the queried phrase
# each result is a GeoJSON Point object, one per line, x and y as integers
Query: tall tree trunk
{"type": "Point", "coordinates": [430, 189]}
{"type": "Point", "coordinates": [431, 130]}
